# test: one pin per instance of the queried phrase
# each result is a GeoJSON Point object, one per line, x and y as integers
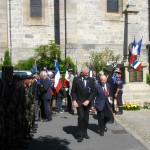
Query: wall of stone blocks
{"type": "Point", "coordinates": [88, 28]}
{"type": "Point", "coordinates": [3, 28]}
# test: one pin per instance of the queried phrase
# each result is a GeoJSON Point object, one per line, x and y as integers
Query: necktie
{"type": "Point", "coordinates": [84, 80]}
{"type": "Point", "coordinates": [105, 90]}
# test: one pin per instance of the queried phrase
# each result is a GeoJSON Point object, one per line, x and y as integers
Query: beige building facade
{"type": "Point", "coordinates": [78, 26]}
{"type": "Point", "coordinates": [81, 26]}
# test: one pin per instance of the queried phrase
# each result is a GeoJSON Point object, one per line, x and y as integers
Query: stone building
{"type": "Point", "coordinates": [78, 26]}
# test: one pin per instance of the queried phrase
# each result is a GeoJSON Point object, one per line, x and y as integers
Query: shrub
{"type": "Point", "coordinates": [7, 60]}
{"type": "Point", "coordinates": [25, 64]}
{"type": "Point", "coordinates": [100, 59]}
{"type": "Point", "coordinates": [148, 78]}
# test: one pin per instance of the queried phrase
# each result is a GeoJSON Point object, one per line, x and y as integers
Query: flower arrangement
{"type": "Point", "coordinates": [146, 105]}
{"type": "Point", "coordinates": [131, 106]}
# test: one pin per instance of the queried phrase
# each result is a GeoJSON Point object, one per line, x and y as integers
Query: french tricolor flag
{"type": "Point", "coordinates": [66, 79]}
{"type": "Point", "coordinates": [133, 52]}
{"type": "Point", "coordinates": [58, 83]}
{"type": "Point", "coordinates": [136, 65]}
{"type": "Point", "coordinates": [90, 70]}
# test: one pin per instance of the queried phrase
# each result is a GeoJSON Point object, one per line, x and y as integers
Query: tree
{"type": "Point", "coordinates": [100, 59]}
{"type": "Point", "coordinates": [7, 60]}
{"type": "Point", "coordinates": [46, 54]}
{"type": "Point", "coordinates": [25, 64]}
{"type": "Point", "coordinates": [69, 62]}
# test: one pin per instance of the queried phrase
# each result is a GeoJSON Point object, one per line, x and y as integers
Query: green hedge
{"type": "Point", "coordinates": [148, 78]}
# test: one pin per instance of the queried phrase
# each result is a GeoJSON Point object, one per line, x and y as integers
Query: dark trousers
{"type": "Point", "coordinates": [119, 101]}
{"type": "Point", "coordinates": [103, 117]}
{"type": "Point", "coordinates": [59, 103]}
{"type": "Point", "coordinates": [37, 109]}
{"type": "Point", "coordinates": [69, 103]}
{"type": "Point", "coordinates": [83, 119]}
{"type": "Point", "coordinates": [47, 109]}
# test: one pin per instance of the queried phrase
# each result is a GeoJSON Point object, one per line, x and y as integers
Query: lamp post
{"type": "Point", "coordinates": [130, 9]}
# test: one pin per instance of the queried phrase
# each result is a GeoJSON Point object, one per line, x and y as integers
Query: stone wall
{"type": "Point", "coordinates": [3, 28]}
{"type": "Point", "coordinates": [92, 28]}
{"type": "Point", "coordinates": [29, 32]}
{"type": "Point", "coordinates": [88, 28]}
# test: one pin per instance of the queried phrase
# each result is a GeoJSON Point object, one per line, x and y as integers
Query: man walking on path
{"type": "Point", "coordinates": [83, 92]}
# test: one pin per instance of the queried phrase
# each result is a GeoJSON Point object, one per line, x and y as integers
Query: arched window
{"type": "Point", "coordinates": [35, 8]}
{"type": "Point", "coordinates": [112, 5]}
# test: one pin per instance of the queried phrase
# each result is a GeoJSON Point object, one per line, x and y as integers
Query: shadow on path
{"type": "Point", "coordinates": [71, 130]}
{"type": "Point", "coordinates": [48, 143]}
{"type": "Point", "coordinates": [94, 128]}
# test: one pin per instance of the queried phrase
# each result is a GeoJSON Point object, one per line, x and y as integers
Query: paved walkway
{"type": "Point", "coordinates": [138, 124]}
{"type": "Point", "coordinates": [60, 133]}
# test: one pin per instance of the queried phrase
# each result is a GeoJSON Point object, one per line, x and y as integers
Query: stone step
{"type": "Point", "coordinates": [136, 92]}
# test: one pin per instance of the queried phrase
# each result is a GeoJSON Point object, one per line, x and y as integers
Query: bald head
{"type": "Point", "coordinates": [43, 74]}
{"type": "Point", "coordinates": [85, 71]}
{"type": "Point", "coordinates": [103, 79]}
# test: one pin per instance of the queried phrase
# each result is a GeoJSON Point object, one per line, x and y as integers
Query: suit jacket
{"type": "Point", "coordinates": [101, 97]}
{"type": "Point", "coordinates": [96, 79]}
{"type": "Point", "coordinates": [81, 93]}
{"type": "Point", "coordinates": [46, 88]}
{"type": "Point", "coordinates": [111, 83]}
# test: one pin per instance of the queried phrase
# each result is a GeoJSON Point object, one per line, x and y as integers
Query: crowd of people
{"type": "Point", "coordinates": [34, 98]}
{"type": "Point", "coordinates": [82, 94]}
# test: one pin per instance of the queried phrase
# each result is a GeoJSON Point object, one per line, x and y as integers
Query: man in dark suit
{"type": "Point", "coordinates": [110, 80]}
{"type": "Point", "coordinates": [102, 103]}
{"type": "Point", "coordinates": [46, 95]}
{"type": "Point", "coordinates": [96, 80]}
{"type": "Point", "coordinates": [83, 92]}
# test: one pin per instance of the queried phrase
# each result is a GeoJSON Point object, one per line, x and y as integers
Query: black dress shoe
{"type": "Point", "coordinates": [35, 125]}
{"type": "Point", "coordinates": [112, 121]}
{"type": "Point", "coordinates": [119, 113]}
{"type": "Point", "coordinates": [80, 138]}
{"type": "Point", "coordinates": [101, 133]}
{"type": "Point", "coordinates": [47, 120]}
{"type": "Point", "coordinates": [114, 111]}
{"type": "Point", "coordinates": [105, 129]}
{"type": "Point", "coordinates": [86, 136]}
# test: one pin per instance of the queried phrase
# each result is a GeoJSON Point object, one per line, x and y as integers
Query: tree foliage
{"type": "Point", "coordinates": [100, 59]}
{"type": "Point", "coordinates": [45, 55]}
{"type": "Point", "coordinates": [25, 64]}
{"type": "Point", "coordinates": [148, 78]}
{"type": "Point", "coordinates": [7, 60]}
{"type": "Point", "coordinates": [69, 62]}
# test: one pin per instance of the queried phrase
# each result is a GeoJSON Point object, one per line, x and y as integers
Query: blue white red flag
{"type": "Point", "coordinates": [66, 79]}
{"type": "Point", "coordinates": [136, 49]}
{"type": "Point", "coordinates": [114, 77]}
{"type": "Point", "coordinates": [136, 65]}
{"type": "Point", "coordinates": [34, 70]}
{"type": "Point", "coordinates": [133, 52]}
{"type": "Point", "coordinates": [139, 46]}
{"type": "Point", "coordinates": [58, 83]}
{"type": "Point", "coordinates": [90, 70]}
